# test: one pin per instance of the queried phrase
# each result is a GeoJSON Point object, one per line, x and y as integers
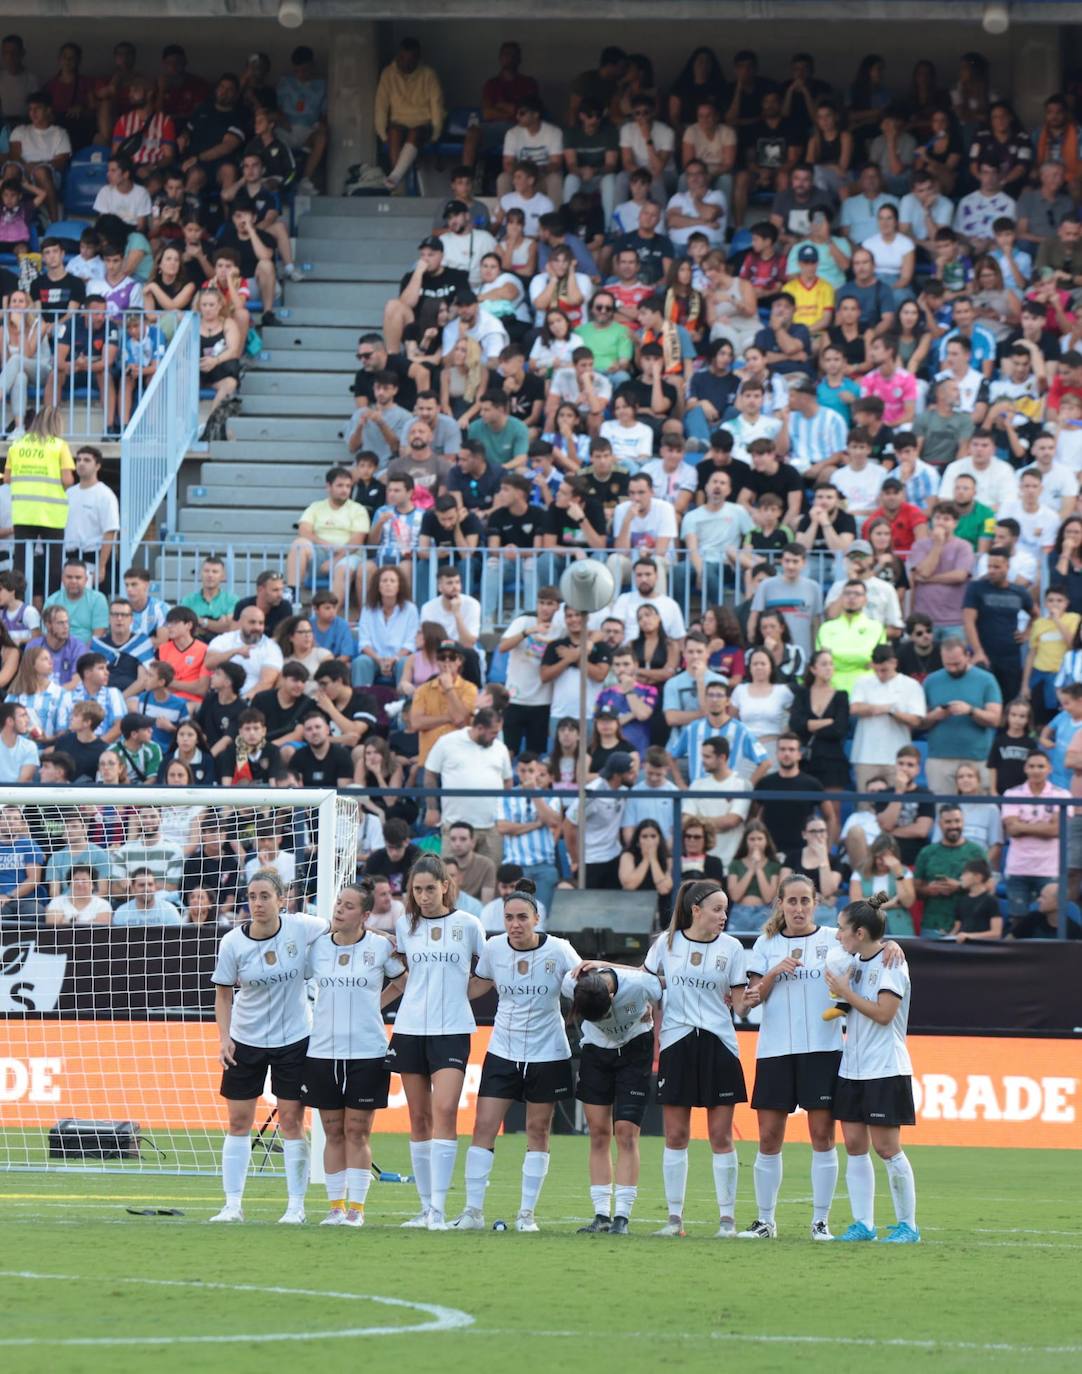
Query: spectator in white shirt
{"type": "Point", "coordinates": [43, 147]}
{"type": "Point", "coordinates": [977, 212]}
{"type": "Point", "coordinates": [647, 143]}
{"type": "Point", "coordinates": [674, 480]}
{"type": "Point", "coordinates": [534, 140]}
{"type": "Point", "coordinates": [121, 196]}
{"type": "Point", "coordinates": [580, 385]}
{"type": "Point", "coordinates": [260, 657]}
{"type": "Point", "coordinates": [463, 245]}
{"type": "Point", "coordinates": [525, 196]}
{"type": "Point", "coordinates": [471, 322]}
{"type": "Point", "coordinates": [18, 754]}
{"type": "Point", "coordinates": [1037, 521]}
{"type": "Point", "coordinates": [471, 758]}
{"type": "Point", "coordinates": [997, 481]}
{"type": "Point", "coordinates": [642, 526]}
{"type": "Point", "coordinates": [698, 209]}
{"type": "Point", "coordinates": [93, 515]}
{"type": "Point", "coordinates": [648, 591]}
{"type": "Point", "coordinates": [858, 478]}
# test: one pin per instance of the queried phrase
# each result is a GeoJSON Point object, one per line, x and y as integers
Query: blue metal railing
{"type": "Point", "coordinates": [159, 435]}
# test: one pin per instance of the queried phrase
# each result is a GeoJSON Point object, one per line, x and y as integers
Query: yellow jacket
{"type": "Point", "coordinates": [34, 469]}
{"type": "Point", "coordinates": [408, 98]}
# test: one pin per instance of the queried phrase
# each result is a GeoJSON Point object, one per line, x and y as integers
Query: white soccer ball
{"type": "Point", "coordinates": [587, 585]}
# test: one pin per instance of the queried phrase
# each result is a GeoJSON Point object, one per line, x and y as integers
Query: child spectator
{"type": "Point", "coordinates": [976, 910]}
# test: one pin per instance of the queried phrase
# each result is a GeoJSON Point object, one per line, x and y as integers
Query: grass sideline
{"type": "Point", "coordinates": [992, 1288]}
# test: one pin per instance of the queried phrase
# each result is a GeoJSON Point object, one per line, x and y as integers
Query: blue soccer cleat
{"type": "Point", "coordinates": [902, 1234]}
{"type": "Point", "coordinates": [858, 1231]}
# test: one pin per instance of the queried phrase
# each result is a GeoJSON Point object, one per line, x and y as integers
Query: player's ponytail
{"type": "Point", "coordinates": [365, 889]}
{"type": "Point", "coordinates": [867, 915]}
{"type": "Point", "coordinates": [776, 920]}
{"type": "Point", "coordinates": [689, 894]}
{"type": "Point", "coordinates": [434, 866]}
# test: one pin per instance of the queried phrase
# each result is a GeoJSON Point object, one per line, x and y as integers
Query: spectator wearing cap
{"type": "Point", "coordinates": [908, 522]}
{"type": "Point", "coordinates": [429, 284]}
{"type": "Point", "coordinates": [476, 758]}
{"type": "Point", "coordinates": [469, 321]}
{"type": "Point", "coordinates": [606, 803]}
{"type": "Point", "coordinates": [444, 703]}
{"type": "Point", "coordinates": [464, 245]}
{"type": "Point", "coordinates": [812, 296]}
{"type": "Point", "coordinates": [409, 109]}
{"type": "Point", "coordinates": [817, 434]}
{"type": "Point", "coordinates": [882, 600]}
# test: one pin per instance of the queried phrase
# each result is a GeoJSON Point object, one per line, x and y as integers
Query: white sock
{"type": "Point", "coordinates": [534, 1168]}
{"type": "Point", "coordinates": [406, 158]}
{"type": "Point", "coordinates": [726, 1168]}
{"type": "Point", "coordinates": [824, 1180]}
{"type": "Point", "coordinates": [296, 1161]}
{"type": "Point", "coordinates": [236, 1156]}
{"type": "Point", "coordinates": [860, 1184]}
{"type": "Point", "coordinates": [359, 1181]}
{"type": "Point", "coordinates": [767, 1176]}
{"type": "Point", "coordinates": [903, 1188]}
{"type": "Point", "coordinates": [336, 1186]}
{"type": "Point", "coordinates": [625, 1199]}
{"type": "Point", "coordinates": [421, 1164]}
{"type": "Point", "coordinates": [674, 1171]}
{"type": "Point", "coordinates": [479, 1164]}
{"type": "Point", "coordinates": [601, 1199]}
{"type": "Point", "coordinates": [444, 1154]}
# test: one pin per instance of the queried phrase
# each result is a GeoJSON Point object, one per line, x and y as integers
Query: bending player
{"type": "Point", "coordinates": [345, 1075]}
{"type": "Point", "coordinates": [430, 1046]}
{"type": "Point", "coordinates": [874, 1097]}
{"type": "Point", "coordinates": [528, 1060]}
{"type": "Point", "coordinates": [615, 1007]}
{"type": "Point", "coordinates": [261, 1007]}
{"type": "Point", "coordinates": [701, 970]}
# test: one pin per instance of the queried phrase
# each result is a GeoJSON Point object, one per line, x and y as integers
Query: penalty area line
{"type": "Point", "coordinates": [762, 1338]}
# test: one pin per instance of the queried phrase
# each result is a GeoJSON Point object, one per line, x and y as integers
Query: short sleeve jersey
{"type": "Point", "coordinates": [528, 1027]}
{"type": "Point", "coordinates": [270, 1007]}
{"type": "Point", "coordinates": [793, 1013]}
{"type": "Point", "coordinates": [872, 1050]}
{"type": "Point", "coordinates": [631, 1013]}
{"type": "Point", "coordinates": [348, 983]}
{"type": "Point", "coordinates": [439, 957]}
{"type": "Point", "coordinates": [698, 974]}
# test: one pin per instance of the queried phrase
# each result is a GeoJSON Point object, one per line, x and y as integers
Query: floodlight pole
{"type": "Point", "coordinates": [584, 659]}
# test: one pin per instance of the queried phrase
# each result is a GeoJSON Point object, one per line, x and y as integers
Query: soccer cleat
{"type": "Point", "coordinates": [599, 1226]}
{"type": "Point", "coordinates": [618, 1227]}
{"type": "Point", "coordinates": [417, 1223]}
{"type": "Point", "coordinates": [292, 1216]}
{"type": "Point", "coordinates": [230, 1212]}
{"type": "Point", "coordinates": [902, 1234]}
{"type": "Point", "coordinates": [354, 1217]}
{"type": "Point", "coordinates": [335, 1217]}
{"type": "Point", "coordinates": [437, 1221]}
{"type": "Point", "coordinates": [759, 1230]}
{"type": "Point", "coordinates": [525, 1221]}
{"type": "Point", "coordinates": [472, 1219]}
{"type": "Point", "coordinates": [673, 1227]}
{"type": "Point", "coordinates": [726, 1230]}
{"type": "Point", "coordinates": [820, 1231]}
{"type": "Point", "coordinates": [835, 1013]}
{"type": "Point", "coordinates": [858, 1231]}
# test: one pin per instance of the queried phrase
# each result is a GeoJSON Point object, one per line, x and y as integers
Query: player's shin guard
{"type": "Point", "coordinates": [903, 1188]}
{"type": "Point", "coordinates": [296, 1165]}
{"type": "Point", "coordinates": [767, 1176]}
{"type": "Point", "coordinates": [860, 1184]}
{"type": "Point", "coordinates": [358, 1182]}
{"type": "Point", "coordinates": [444, 1154]}
{"type": "Point", "coordinates": [674, 1172]}
{"type": "Point", "coordinates": [421, 1164]}
{"type": "Point", "coordinates": [726, 1168]}
{"type": "Point", "coordinates": [534, 1168]}
{"type": "Point", "coordinates": [479, 1164]}
{"type": "Point", "coordinates": [824, 1180]}
{"type": "Point", "coordinates": [236, 1156]}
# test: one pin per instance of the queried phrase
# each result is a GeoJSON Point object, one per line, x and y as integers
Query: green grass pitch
{"type": "Point", "coordinates": [88, 1289]}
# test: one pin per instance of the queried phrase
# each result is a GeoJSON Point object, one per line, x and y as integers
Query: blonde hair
{"type": "Point", "coordinates": [473, 368]}
{"type": "Point", "coordinates": [47, 423]}
{"type": "Point", "coordinates": [776, 920]}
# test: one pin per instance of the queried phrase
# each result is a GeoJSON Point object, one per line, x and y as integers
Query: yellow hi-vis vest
{"type": "Point", "coordinates": [38, 495]}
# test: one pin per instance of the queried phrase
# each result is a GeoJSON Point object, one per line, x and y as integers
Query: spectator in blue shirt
{"type": "Point", "coordinates": [331, 631]}
{"type": "Point", "coordinates": [146, 908]}
{"type": "Point", "coordinates": [788, 346]}
{"type": "Point", "coordinates": [21, 868]}
{"type": "Point", "coordinates": [302, 118]}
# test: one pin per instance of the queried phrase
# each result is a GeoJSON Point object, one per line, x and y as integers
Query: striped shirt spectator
{"type": "Point", "coordinates": [43, 708]}
{"type": "Point", "coordinates": [532, 847]}
{"type": "Point", "coordinates": [745, 751]}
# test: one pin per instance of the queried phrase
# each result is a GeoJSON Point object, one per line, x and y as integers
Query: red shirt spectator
{"type": "Point", "coordinates": [904, 523]}
{"type": "Point", "coordinates": [158, 131]}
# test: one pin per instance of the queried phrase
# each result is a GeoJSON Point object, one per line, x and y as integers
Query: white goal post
{"type": "Point", "coordinates": [112, 903]}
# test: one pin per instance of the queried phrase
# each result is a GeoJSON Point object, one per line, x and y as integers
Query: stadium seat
{"type": "Point", "coordinates": [70, 230]}
{"type": "Point", "coordinates": [86, 176]}
{"type": "Point", "coordinates": [449, 144]}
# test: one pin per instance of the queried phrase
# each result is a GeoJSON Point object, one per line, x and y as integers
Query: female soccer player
{"type": "Point", "coordinates": [528, 1059]}
{"type": "Point", "coordinates": [874, 1096]}
{"type": "Point", "coordinates": [261, 1007]}
{"type": "Point", "coordinates": [345, 1075]}
{"type": "Point", "coordinates": [615, 1007]}
{"type": "Point", "coordinates": [699, 1065]}
{"type": "Point", "coordinates": [430, 1046]}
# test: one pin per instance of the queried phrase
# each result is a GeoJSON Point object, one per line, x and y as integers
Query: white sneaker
{"type": "Point", "coordinates": [525, 1222]}
{"type": "Point", "coordinates": [437, 1221]}
{"type": "Point", "coordinates": [230, 1212]}
{"type": "Point", "coordinates": [354, 1217]}
{"type": "Point", "coordinates": [292, 1216]}
{"type": "Point", "coordinates": [471, 1220]}
{"type": "Point", "coordinates": [820, 1231]}
{"type": "Point", "coordinates": [306, 187]}
{"type": "Point", "coordinates": [759, 1230]}
{"type": "Point", "coordinates": [673, 1227]}
{"type": "Point", "coordinates": [417, 1223]}
{"type": "Point", "coordinates": [335, 1217]}
{"type": "Point", "coordinates": [726, 1230]}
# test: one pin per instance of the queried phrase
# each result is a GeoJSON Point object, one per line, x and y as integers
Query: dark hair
{"type": "Point", "coordinates": [867, 915]}
{"type": "Point", "coordinates": [690, 894]}
{"type": "Point", "coordinates": [434, 866]}
{"type": "Point", "coordinates": [592, 998]}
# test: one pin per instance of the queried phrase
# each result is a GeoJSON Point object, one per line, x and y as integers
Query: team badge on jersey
{"type": "Point", "coordinates": [369, 958]}
{"type": "Point", "coordinates": [523, 966]}
{"type": "Point", "coordinates": [820, 951]}
{"type": "Point", "coordinates": [873, 978]}
{"type": "Point", "coordinates": [720, 962]}
{"type": "Point", "coordinates": [550, 965]}
{"type": "Point", "coordinates": [697, 958]}
{"type": "Point", "coordinates": [270, 957]}
{"type": "Point", "coordinates": [291, 949]}
{"type": "Point", "coordinates": [436, 933]}
{"type": "Point", "coordinates": [343, 959]}
{"type": "Point", "coordinates": [456, 932]}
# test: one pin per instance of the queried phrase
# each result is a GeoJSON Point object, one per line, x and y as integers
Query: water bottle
{"type": "Point", "coordinates": [197, 493]}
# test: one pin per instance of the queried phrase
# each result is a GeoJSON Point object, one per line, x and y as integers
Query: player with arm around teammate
{"type": "Point", "coordinates": [345, 1074]}
{"type": "Point", "coordinates": [614, 1006]}
{"type": "Point", "coordinates": [430, 1046]}
{"type": "Point", "coordinates": [261, 1007]}
{"type": "Point", "coordinates": [874, 1097]}
{"type": "Point", "coordinates": [701, 970]}
{"type": "Point", "coordinates": [528, 1059]}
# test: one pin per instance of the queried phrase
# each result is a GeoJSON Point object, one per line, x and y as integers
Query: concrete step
{"type": "Point", "coordinates": [327, 337]}
{"type": "Point", "coordinates": [373, 207]}
{"type": "Point", "coordinates": [297, 403]}
{"type": "Point", "coordinates": [406, 230]}
{"type": "Point", "coordinates": [301, 431]}
{"type": "Point", "coordinates": [227, 522]}
{"type": "Point", "coordinates": [292, 498]}
{"type": "Point", "coordinates": [284, 452]}
{"type": "Point", "coordinates": [298, 313]}
{"type": "Point", "coordinates": [365, 299]}
{"type": "Point", "coordinates": [239, 476]}
{"type": "Point", "coordinates": [304, 360]}
{"type": "Point", "coordinates": [265, 382]}
{"type": "Point", "coordinates": [372, 260]}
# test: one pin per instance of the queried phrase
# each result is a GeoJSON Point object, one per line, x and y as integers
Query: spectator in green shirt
{"type": "Point", "coordinates": [506, 441]}
{"type": "Point", "coordinates": [976, 523]}
{"type": "Point", "coordinates": [938, 871]}
{"type": "Point", "coordinates": [609, 342]}
{"type": "Point", "coordinates": [212, 603]}
{"type": "Point", "coordinates": [88, 610]}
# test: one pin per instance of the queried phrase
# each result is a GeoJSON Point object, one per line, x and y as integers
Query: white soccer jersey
{"type": "Point", "coordinates": [793, 1013]}
{"type": "Point", "coordinates": [439, 957]}
{"type": "Point", "coordinates": [270, 1006]}
{"type": "Point", "coordinates": [872, 1050]}
{"type": "Point", "coordinates": [631, 1013]}
{"type": "Point", "coordinates": [348, 980]}
{"type": "Point", "coordinates": [528, 1028]}
{"type": "Point", "coordinates": [698, 975]}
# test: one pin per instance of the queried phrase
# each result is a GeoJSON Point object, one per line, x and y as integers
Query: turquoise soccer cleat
{"type": "Point", "coordinates": [858, 1231]}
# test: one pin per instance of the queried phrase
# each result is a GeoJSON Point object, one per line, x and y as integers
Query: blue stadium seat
{"type": "Point", "coordinates": [70, 230]}
{"type": "Point", "coordinates": [86, 176]}
{"type": "Point", "coordinates": [450, 141]}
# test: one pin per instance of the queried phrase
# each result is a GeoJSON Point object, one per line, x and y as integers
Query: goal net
{"type": "Point", "coordinates": [112, 905]}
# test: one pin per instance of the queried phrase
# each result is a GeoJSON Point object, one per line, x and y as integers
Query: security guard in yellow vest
{"type": "Point", "coordinates": [40, 469]}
